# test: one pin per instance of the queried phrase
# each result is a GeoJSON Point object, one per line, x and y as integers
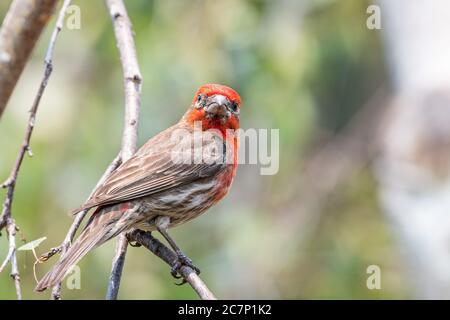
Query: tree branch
{"type": "Point", "coordinates": [132, 86]}
{"type": "Point", "coordinates": [10, 183]}
{"type": "Point", "coordinates": [20, 30]}
{"type": "Point", "coordinates": [154, 245]}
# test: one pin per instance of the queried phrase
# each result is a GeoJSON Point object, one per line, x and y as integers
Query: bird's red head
{"type": "Point", "coordinates": [216, 106]}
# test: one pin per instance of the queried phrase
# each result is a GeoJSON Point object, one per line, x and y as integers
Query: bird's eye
{"type": "Point", "coordinates": [235, 107]}
{"type": "Point", "coordinates": [199, 103]}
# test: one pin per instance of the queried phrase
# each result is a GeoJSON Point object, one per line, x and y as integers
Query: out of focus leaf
{"type": "Point", "coordinates": [32, 244]}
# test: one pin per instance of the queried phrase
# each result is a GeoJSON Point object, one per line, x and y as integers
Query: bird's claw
{"type": "Point", "coordinates": [135, 244]}
{"type": "Point", "coordinates": [182, 260]}
{"type": "Point", "coordinates": [131, 242]}
{"type": "Point", "coordinates": [174, 270]}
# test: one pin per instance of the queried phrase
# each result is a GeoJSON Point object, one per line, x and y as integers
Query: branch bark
{"type": "Point", "coordinates": [20, 30]}
{"type": "Point", "coordinates": [6, 218]}
{"type": "Point", "coordinates": [169, 257]}
{"type": "Point", "coordinates": [132, 86]}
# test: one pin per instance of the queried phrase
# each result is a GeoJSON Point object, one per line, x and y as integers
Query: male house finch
{"type": "Point", "coordinates": [155, 191]}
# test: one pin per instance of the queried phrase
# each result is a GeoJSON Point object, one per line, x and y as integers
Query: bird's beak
{"type": "Point", "coordinates": [218, 107]}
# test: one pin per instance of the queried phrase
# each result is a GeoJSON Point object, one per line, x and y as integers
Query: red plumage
{"type": "Point", "coordinates": [153, 183]}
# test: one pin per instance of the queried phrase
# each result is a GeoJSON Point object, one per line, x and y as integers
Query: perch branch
{"type": "Point", "coordinates": [168, 256]}
{"type": "Point", "coordinates": [11, 256]}
{"type": "Point", "coordinates": [10, 183]}
{"type": "Point", "coordinates": [132, 86]}
{"type": "Point", "coordinates": [20, 30]}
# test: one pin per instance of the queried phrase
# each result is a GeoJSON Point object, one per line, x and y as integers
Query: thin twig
{"type": "Point", "coordinates": [14, 269]}
{"type": "Point", "coordinates": [132, 86]}
{"type": "Point", "coordinates": [117, 268]}
{"type": "Point", "coordinates": [168, 256]}
{"type": "Point", "coordinates": [11, 256]}
{"type": "Point", "coordinates": [8, 257]}
{"type": "Point", "coordinates": [10, 183]}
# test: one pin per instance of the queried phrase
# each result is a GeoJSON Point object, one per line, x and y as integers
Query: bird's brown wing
{"type": "Point", "coordinates": [153, 169]}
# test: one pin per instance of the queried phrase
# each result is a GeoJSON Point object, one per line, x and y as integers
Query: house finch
{"type": "Point", "coordinates": [173, 178]}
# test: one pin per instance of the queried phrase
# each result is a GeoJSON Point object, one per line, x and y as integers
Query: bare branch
{"type": "Point", "coordinates": [132, 85]}
{"type": "Point", "coordinates": [168, 256]}
{"type": "Point", "coordinates": [20, 30]}
{"type": "Point", "coordinates": [11, 256]}
{"type": "Point", "coordinates": [117, 268]}
{"type": "Point", "coordinates": [10, 183]}
{"type": "Point", "coordinates": [11, 227]}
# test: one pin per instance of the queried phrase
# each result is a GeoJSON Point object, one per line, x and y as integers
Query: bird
{"type": "Point", "coordinates": [174, 177]}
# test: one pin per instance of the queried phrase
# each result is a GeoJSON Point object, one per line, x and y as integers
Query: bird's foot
{"type": "Point", "coordinates": [134, 244]}
{"type": "Point", "coordinates": [182, 260]}
{"type": "Point", "coordinates": [131, 242]}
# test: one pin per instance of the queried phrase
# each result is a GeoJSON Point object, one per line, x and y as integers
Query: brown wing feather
{"type": "Point", "coordinates": [152, 170]}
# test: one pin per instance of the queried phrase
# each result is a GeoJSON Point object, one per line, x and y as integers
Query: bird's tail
{"type": "Point", "coordinates": [100, 228]}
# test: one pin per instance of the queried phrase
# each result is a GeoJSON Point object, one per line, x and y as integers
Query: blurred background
{"type": "Point", "coordinates": [364, 155]}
